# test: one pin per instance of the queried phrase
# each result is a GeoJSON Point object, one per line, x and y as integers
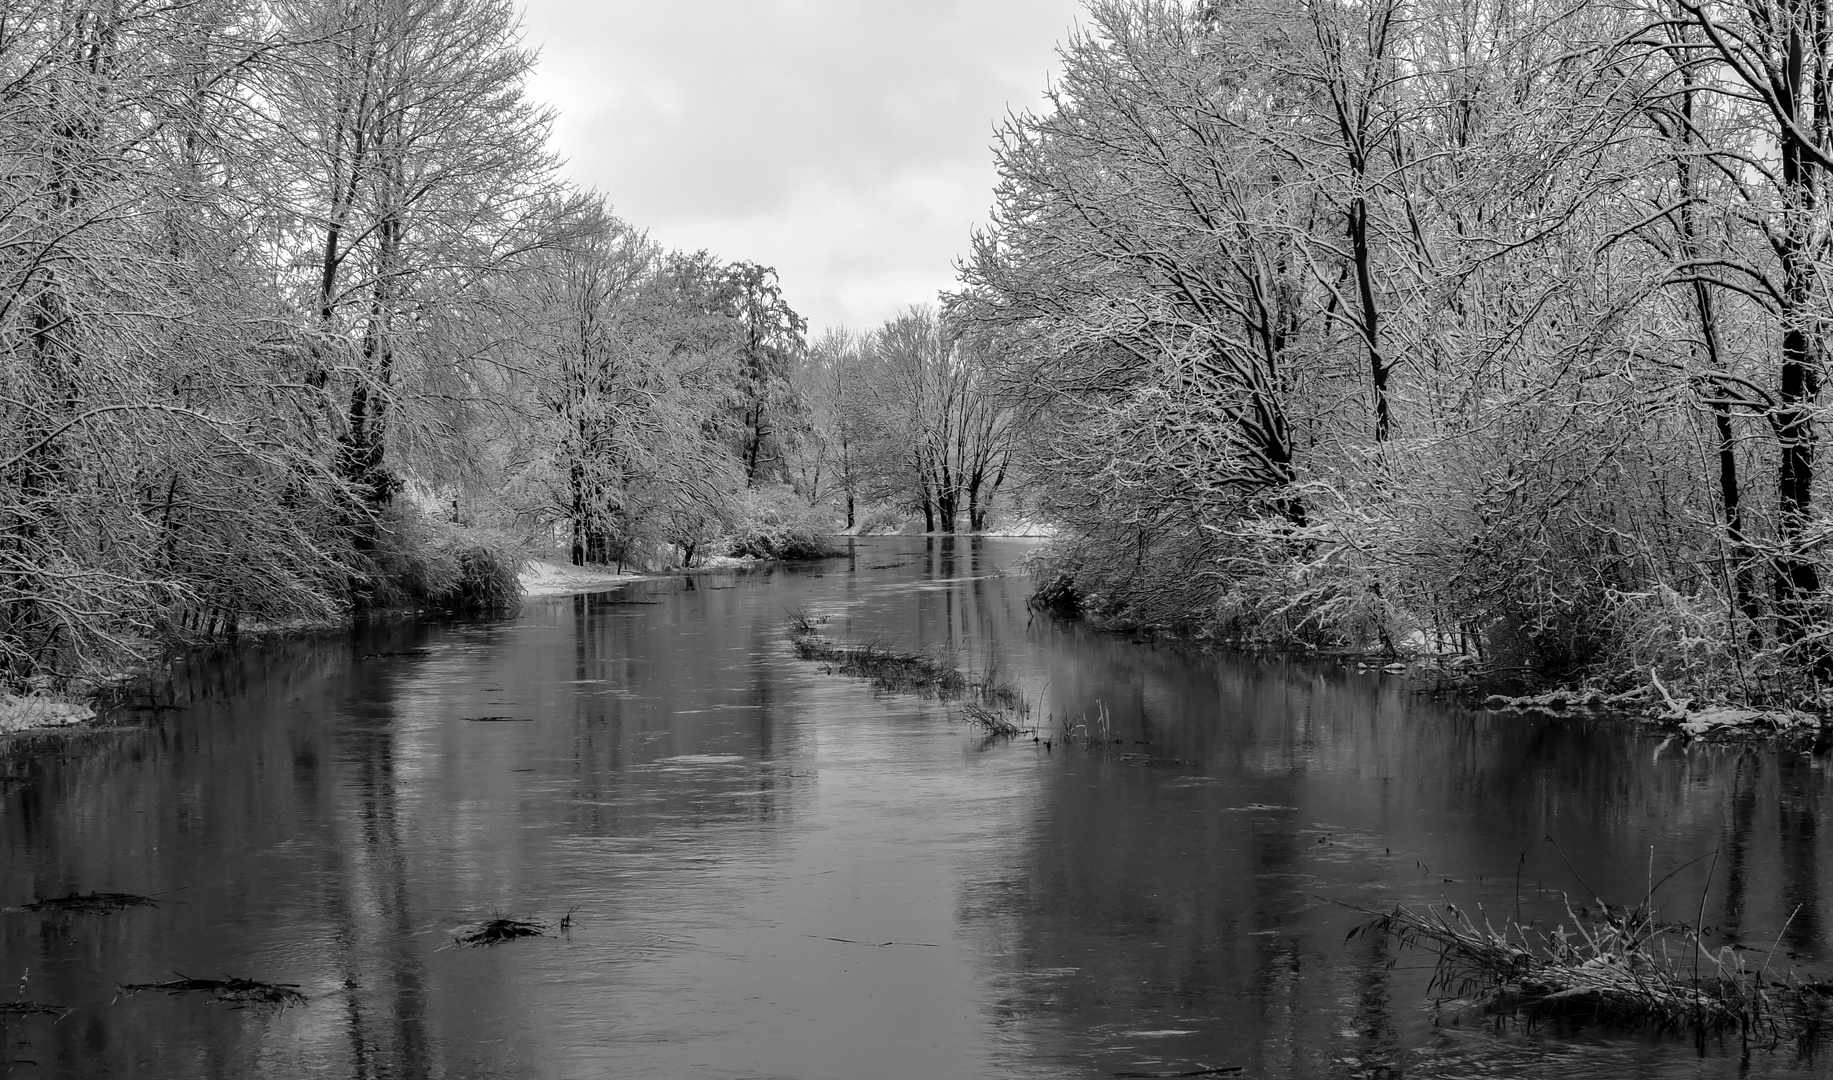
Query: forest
{"type": "Point", "coordinates": [1493, 333]}
{"type": "Point", "coordinates": [299, 321]}
{"type": "Point", "coordinates": [1486, 333]}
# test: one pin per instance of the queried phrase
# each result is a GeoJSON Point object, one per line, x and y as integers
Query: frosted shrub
{"type": "Point", "coordinates": [776, 523]}
{"type": "Point", "coordinates": [424, 562]}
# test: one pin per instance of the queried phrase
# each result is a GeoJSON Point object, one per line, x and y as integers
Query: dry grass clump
{"type": "Point", "coordinates": [998, 723]}
{"type": "Point", "coordinates": [989, 703]}
{"type": "Point", "coordinates": [496, 931]}
{"type": "Point", "coordinates": [1614, 966]}
{"type": "Point", "coordinates": [896, 672]}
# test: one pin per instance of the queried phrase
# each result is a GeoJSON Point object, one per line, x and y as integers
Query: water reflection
{"type": "Point", "coordinates": [775, 872]}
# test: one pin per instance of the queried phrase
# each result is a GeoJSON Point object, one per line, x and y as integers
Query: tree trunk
{"type": "Point", "coordinates": [1371, 316]}
{"type": "Point", "coordinates": [1797, 578]}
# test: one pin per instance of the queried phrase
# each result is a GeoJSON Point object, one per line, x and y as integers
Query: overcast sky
{"type": "Point", "coordinates": [844, 142]}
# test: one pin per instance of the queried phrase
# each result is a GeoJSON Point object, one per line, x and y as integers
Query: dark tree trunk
{"type": "Point", "coordinates": [1797, 578]}
{"type": "Point", "coordinates": [1371, 316]}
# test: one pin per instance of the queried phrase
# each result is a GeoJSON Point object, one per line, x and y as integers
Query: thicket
{"type": "Point", "coordinates": [1431, 326]}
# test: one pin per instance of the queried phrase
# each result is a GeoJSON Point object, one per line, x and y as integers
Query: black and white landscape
{"type": "Point", "coordinates": [1278, 538]}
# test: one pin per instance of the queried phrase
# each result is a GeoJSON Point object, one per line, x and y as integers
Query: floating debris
{"type": "Point", "coordinates": [94, 903]}
{"type": "Point", "coordinates": [386, 655]}
{"type": "Point", "coordinates": [1211, 1070]}
{"type": "Point", "coordinates": [31, 1008]}
{"type": "Point", "coordinates": [237, 993]}
{"type": "Point", "coordinates": [501, 719]}
{"type": "Point", "coordinates": [497, 931]}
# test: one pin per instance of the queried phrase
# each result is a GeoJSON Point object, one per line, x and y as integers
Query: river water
{"type": "Point", "coordinates": [776, 872]}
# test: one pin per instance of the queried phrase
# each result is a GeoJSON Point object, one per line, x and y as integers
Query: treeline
{"type": "Point", "coordinates": [906, 419]}
{"type": "Point", "coordinates": [1495, 331]}
{"type": "Point", "coordinates": [297, 318]}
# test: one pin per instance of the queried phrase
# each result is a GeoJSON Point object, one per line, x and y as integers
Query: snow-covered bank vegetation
{"type": "Point", "coordinates": [298, 319]}
{"type": "Point", "coordinates": [1432, 326]}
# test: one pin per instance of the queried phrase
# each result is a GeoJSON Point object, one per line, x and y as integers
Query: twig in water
{"type": "Point", "coordinates": [874, 944]}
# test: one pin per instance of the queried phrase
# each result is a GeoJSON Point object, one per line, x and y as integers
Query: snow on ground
{"type": "Point", "coordinates": [22, 713]}
{"type": "Point", "coordinates": [543, 578]}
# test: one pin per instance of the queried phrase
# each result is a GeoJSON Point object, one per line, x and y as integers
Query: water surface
{"type": "Point", "coordinates": [776, 872]}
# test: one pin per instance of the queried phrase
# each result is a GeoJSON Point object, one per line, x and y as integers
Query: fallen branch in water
{"type": "Point", "coordinates": [876, 944]}
{"type": "Point", "coordinates": [94, 903]}
{"type": "Point", "coordinates": [31, 1008]}
{"type": "Point", "coordinates": [239, 993]}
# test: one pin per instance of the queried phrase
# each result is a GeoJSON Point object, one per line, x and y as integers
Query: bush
{"type": "Point", "coordinates": [423, 562]}
{"type": "Point", "coordinates": [775, 523]}
{"type": "Point", "coordinates": [1056, 593]}
{"type": "Point", "coordinates": [881, 518]}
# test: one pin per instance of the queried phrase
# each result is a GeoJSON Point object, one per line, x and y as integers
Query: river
{"type": "Point", "coordinates": [775, 872]}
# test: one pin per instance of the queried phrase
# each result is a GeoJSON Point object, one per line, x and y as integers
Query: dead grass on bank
{"type": "Point", "coordinates": [984, 700]}
{"type": "Point", "coordinates": [1614, 967]}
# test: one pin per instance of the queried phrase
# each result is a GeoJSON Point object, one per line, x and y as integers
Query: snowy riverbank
{"type": "Point", "coordinates": [540, 577]}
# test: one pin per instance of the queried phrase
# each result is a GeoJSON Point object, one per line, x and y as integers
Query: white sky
{"type": "Point", "coordinates": [844, 142]}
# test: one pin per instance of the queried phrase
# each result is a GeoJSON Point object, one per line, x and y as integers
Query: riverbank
{"type": "Point", "coordinates": [1690, 712]}
{"type": "Point", "coordinates": [540, 577]}
{"type": "Point", "coordinates": [37, 713]}
{"type": "Point", "coordinates": [543, 577]}
{"type": "Point", "coordinates": [676, 775]}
